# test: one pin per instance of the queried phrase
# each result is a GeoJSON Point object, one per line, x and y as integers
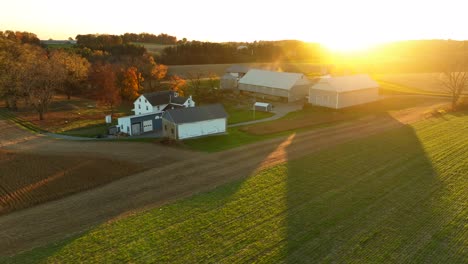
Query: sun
{"type": "Point", "coordinates": [348, 45]}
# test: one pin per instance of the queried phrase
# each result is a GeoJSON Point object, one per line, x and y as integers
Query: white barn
{"type": "Point", "coordinates": [344, 91]}
{"type": "Point", "coordinates": [286, 86]}
{"type": "Point", "coordinates": [184, 123]}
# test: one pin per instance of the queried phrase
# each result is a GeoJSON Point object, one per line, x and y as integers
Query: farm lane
{"type": "Point", "coordinates": [170, 181]}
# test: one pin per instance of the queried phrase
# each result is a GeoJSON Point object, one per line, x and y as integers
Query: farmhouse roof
{"type": "Point", "coordinates": [164, 97]}
{"type": "Point", "coordinates": [237, 69]}
{"type": "Point", "coordinates": [195, 114]}
{"type": "Point", "coordinates": [273, 79]}
{"type": "Point", "coordinates": [345, 83]}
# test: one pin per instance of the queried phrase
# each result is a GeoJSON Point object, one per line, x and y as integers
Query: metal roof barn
{"type": "Point", "coordinates": [270, 84]}
{"type": "Point", "coordinates": [344, 91]}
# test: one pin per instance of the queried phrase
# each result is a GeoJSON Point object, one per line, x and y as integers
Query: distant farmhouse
{"type": "Point", "coordinates": [184, 123]}
{"type": "Point", "coordinates": [284, 86]}
{"type": "Point", "coordinates": [344, 91]}
{"type": "Point", "coordinates": [148, 109]}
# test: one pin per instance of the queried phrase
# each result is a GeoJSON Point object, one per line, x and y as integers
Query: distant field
{"type": "Point", "coordinates": [29, 179]}
{"type": "Point", "coordinates": [414, 82]}
{"type": "Point", "coordinates": [396, 197]}
{"type": "Point", "coordinates": [219, 69]}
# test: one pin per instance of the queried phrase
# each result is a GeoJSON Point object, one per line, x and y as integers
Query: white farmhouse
{"type": "Point", "coordinates": [286, 86]}
{"type": "Point", "coordinates": [157, 102]}
{"type": "Point", "coordinates": [344, 91]}
{"type": "Point", "coordinates": [149, 108]}
{"type": "Point", "coordinates": [184, 123]}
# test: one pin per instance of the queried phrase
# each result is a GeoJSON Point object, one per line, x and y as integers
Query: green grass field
{"type": "Point", "coordinates": [396, 197]}
{"type": "Point", "coordinates": [244, 115]}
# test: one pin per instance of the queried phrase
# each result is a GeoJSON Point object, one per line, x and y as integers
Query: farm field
{"type": "Point", "coordinates": [418, 83]}
{"type": "Point", "coordinates": [29, 179]}
{"type": "Point", "coordinates": [399, 196]}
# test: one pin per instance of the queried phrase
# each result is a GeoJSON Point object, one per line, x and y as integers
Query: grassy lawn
{"type": "Point", "coordinates": [245, 115]}
{"type": "Point", "coordinates": [396, 197]}
{"type": "Point", "coordinates": [234, 138]}
{"type": "Point", "coordinates": [77, 117]}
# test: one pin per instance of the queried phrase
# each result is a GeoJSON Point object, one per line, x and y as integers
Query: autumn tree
{"type": "Point", "coordinates": [131, 84]}
{"type": "Point", "coordinates": [10, 72]}
{"type": "Point", "coordinates": [455, 80]}
{"type": "Point", "coordinates": [104, 80]}
{"type": "Point", "coordinates": [43, 75]}
{"type": "Point", "coordinates": [76, 68]}
{"type": "Point", "coordinates": [178, 84]}
{"type": "Point", "coordinates": [158, 73]}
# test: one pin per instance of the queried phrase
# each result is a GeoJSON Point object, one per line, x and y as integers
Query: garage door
{"type": "Point", "coordinates": [136, 129]}
{"type": "Point", "coordinates": [147, 125]}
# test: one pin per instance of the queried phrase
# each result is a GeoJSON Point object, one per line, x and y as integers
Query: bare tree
{"type": "Point", "coordinates": [455, 80]}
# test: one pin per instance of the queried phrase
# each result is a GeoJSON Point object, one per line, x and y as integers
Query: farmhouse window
{"type": "Point", "coordinates": [139, 106]}
{"type": "Point", "coordinates": [139, 99]}
{"type": "Point", "coordinates": [145, 101]}
{"type": "Point", "coordinates": [158, 107]}
{"type": "Point", "coordinates": [146, 108]}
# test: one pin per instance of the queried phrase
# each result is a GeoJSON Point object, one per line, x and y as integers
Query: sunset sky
{"type": "Point", "coordinates": [340, 24]}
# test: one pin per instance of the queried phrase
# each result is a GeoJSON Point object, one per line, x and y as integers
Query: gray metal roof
{"type": "Point", "coordinates": [195, 114]}
{"type": "Point", "coordinates": [164, 97]}
{"type": "Point", "coordinates": [273, 79]}
{"type": "Point", "coordinates": [346, 83]}
{"type": "Point", "coordinates": [237, 69]}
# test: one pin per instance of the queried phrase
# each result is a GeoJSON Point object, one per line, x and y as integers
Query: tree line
{"type": "Point", "coordinates": [196, 52]}
{"type": "Point", "coordinates": [100, 41]}
{"type": "Point", "coordinates": [33, 73]}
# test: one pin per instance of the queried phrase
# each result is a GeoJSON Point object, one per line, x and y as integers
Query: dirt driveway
{"type": "Point", "coordinates": [176, 178]}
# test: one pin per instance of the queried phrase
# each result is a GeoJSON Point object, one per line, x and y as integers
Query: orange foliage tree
{"type": "Point", "coordinates": [104, 79]}
{"type": "Point", "coordinates": [131, 84]}
{"type": "Point", "coordinates": [178, 84]}
{"type": "Point", "coordinates": [158, 72]}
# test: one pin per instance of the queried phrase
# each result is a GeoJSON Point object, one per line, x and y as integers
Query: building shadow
{"type": "Point", "coordinates": [388, 198]}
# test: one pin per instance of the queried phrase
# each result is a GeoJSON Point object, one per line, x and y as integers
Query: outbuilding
{"type": "Point", "coordinates": [138, 124]}
{"type": "Point", "coordinates": [344, 91]}
{"type": "Point", "coordinates": [285, 86]}
{"type": "Point", "coordinates": [228, 82]}
{"type": "Point", "coordinates": [184, 123]}
{"type": "Point", "coordinates": [265, 107]}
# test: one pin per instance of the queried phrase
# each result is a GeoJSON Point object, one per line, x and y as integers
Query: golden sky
{"type": "Point", "coordinates": [339, 24]}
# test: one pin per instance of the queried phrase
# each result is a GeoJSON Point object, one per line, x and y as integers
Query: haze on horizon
{"type": "Point", "coordinates": [339, 24]}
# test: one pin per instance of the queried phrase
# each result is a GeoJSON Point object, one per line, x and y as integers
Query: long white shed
{"type": "Point", "coordinates": [344, 91]}
{"type": "Point", "coordinates": [184, 123]}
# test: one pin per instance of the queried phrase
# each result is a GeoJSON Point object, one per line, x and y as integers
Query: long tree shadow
{"type": "Point", "coordinates": [387, 198]}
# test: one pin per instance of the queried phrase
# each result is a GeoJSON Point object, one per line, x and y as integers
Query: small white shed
{"type": "Point", "coordinates": [344, 91]}
{"type": "Point", "coordinates": [184, 123]}
{"type": "Point", "coordinates": [265, 107]}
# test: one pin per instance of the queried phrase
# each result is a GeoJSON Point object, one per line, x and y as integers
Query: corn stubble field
{"type": "Point", "coordinates": [396, 197]}
{"type": "Point", "coordinates": [29, 179]}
